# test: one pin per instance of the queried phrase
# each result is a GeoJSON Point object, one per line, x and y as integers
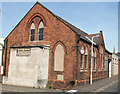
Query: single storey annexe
{"type": "Point", "coordinates": [44, 49]}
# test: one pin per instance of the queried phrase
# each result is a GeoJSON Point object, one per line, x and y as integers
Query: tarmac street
{"type": "Point", "coordinates": [103, 85]}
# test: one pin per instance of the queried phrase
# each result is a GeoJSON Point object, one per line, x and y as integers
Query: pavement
{"type": "Point", "coordinates": [100, 85]}
{"type": "Point", "coordinates": [103, 85]}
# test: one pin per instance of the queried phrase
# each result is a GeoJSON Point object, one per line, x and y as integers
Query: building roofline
{"type": "Point", "coordinates": [59, 18]}
{"type": "Point", "coordinates": [29, 46]}
{"type": "Point", "coordinates": [108, 51]}
{"type": "Point", "coordinates": [93, 34]}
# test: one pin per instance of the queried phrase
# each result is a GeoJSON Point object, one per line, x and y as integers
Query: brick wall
{"type": "Point", "coordinates": [55, 32]}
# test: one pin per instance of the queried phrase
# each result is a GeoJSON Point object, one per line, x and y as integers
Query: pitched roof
{"type": "Point", "coordinates": [96, 39]}
{"type": "Point", "coordinates": [73, 28]}
{"type": "Point", "coordinates": [108, 51]}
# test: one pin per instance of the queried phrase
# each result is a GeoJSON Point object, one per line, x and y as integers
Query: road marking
{"type": "Point", "coordinates": [72, 91]}
{"type": "Point", "coordinates": [102, 88]}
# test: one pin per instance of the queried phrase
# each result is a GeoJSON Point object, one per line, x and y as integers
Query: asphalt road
{"type": "Point", "coordinates": [104, 85]}
{"type": "Point", "coordinates": [112, 88]}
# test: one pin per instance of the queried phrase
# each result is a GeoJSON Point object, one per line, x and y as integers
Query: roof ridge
{"type": "Point", "coordinates": [93, 34]}
{"type": "Point", "coordinates": [62, 20]}
{"type": "Point", "coordinates": [72, 25]}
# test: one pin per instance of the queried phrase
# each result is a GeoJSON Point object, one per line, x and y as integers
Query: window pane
{"type": "Point", "coordinates": [41, 33]}
{"type": "Point", "coordinates": [85, 61]}
{"type": "Point", "coordinates": [32, 32]}
{"type": "Point", "coordinates": [40, 37]}
{"type": "Point", "coordinates": [94, 62]}
{"type": "Point", "coordinates": [81, 60]}
{"type": "Point", "coordinates": [101, 60]}
{"type": "Point", "coordinates": [32, 38]}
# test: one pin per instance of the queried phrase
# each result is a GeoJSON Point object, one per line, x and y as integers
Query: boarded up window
{"type": "Point", "coordinates": [59, 58]}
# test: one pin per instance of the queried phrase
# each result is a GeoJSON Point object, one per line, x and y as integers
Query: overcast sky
{"type": "Point", "coordinates": [88, 16]}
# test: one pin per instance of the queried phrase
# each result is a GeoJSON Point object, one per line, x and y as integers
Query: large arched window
{"type": "Point", "coordinates": [86, 58]}
{"type": "Point", "coordinates": [59, 58]}
{"type": "Point", "coordinates": [40, 31]}
{"type": "Point", "coordinates": [32, 32]}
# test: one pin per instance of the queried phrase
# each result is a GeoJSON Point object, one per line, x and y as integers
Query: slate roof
{"type": "Point", "coordinates": [75, 29]}
{"type": "Point", "coordinates": [96, 39]}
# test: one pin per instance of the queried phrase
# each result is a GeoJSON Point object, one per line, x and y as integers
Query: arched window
{"type": "Point", "coordinates": [101, 58]}
{"type": "Point", "coordinates": [40, 31]}
{"type": "Point", "coordinates": [95, 60]}
{"type": "Point", "coordinates": [86, 58]}
{"type": "Point", "coordinates": [59, 58]}
{"type": "Point", "coordinates": [105, 62]}
{"type": "Point", "coordinates": [81, 60]}
{"type": "Point", "coordinates": [32, 32]}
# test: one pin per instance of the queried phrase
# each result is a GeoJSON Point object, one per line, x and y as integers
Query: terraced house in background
{"type": "Point", "coordinates": [45, 48]}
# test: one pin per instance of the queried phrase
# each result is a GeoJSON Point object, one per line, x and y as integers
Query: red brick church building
{"type": "Point", "coordinates": [45, 49]}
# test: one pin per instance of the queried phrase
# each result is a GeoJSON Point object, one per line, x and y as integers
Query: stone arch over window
{"type": "Point", "coordinates": [40, 30]}
{"type": "Point", "coordinates": [37, 15]}
{"type": "Point", "coordinates": [36, 18]}
{"type": "Point", "coordinates": [32, 32]}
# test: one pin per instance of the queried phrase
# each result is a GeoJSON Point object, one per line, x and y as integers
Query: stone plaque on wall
{"type": "Point", "coordinates": [60, 77]}
{"type": "Point", "coordinates": [23, 51]}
